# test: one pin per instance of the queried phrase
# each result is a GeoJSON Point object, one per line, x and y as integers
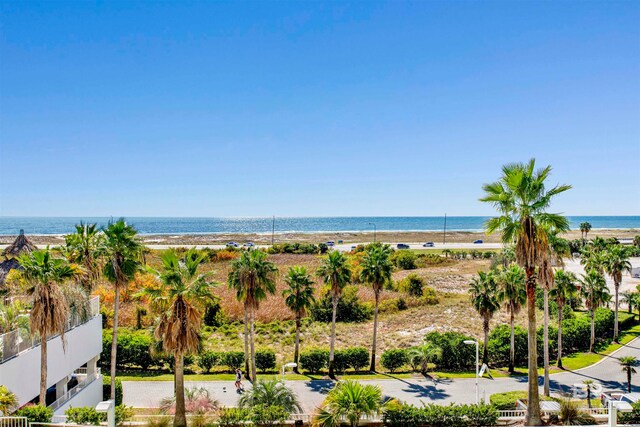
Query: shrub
{"type": "Point", "coordinates": [632, 417]}
{"type": "Point", "coordinates": [433, 415]}
{"type": "Point", "coordinates": [213, 315]}
{"type": "Point", "coordinates": [404, 260]}
{"type": "Point", "coordinates": [457, 354]}
{"type": "Point", "coordinates": [35, 413]}
{"type": "Point", "coordinates": [412, 284]}
{"type": "Point", "coordinates": [84, 415]}
{"type": "Point", "coordinates": [233, 359]}
{"type": "Point", "coordinates": [265, 359]}
{"type": "Point", "coordinates": [429, 296]}
{"type": "Point", "coordinates": [506, 401]}
{"type": "Point", "coordinates": [208, 359]}
{"type": "Point", "coordinates": [295, 248]}
{"type": "Point", "coordinates": [134, 348]}
{"type": "Point", "coordinates": [358, 358]}
{"type": "Point", "coordinates": [268, 415]}
{"type": "Point", "coordinates": [350, 309]}
{"type": "Point", "coordinates": [8, 401]}
{"type": "Point", "coordinates": [232, 416]}
{"type": "Point", "coordinates": [499, 345]}
{"type": "Point", "coordinates": [106, 389]}
{"type": "Point", "coordinates": [393, 359]}
{"type": "Point", "coordinates": [314, 360]}
{"type": "Point", "coordinates": [123, 413]}
{"type": "Point", "coordinates": [340, 361]}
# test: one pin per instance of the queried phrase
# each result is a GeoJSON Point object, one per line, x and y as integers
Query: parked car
{"type": "Point", "coordinates": [248, 245]}
{"type": "Point", "coordinates": [402, 246]}
{"type": "Point", "coordinates": [353, 248]}
{"type": "Point", "coordinates": [232, 245]}
{"type": "Point", "coordinates": [428, 245]}
{"type": "Point", "coordinates": [330, 243]}
{"type": "Point", "coordinates": [340, 242]}
{"type": "Point", "coordinates": [477, 241]}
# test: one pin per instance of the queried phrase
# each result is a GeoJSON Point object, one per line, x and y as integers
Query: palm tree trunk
{"type": "Point", "coordinates": [546, 339]}
{"type": "Point", "coordinates": [485, 351]}
{"type": "Point", "coordinates": [533, 408]}
{"type": "Point", "coordinates": [246, 343]}
{"type": "Point", "coordinates": [253, 347]}
{"type": "Point", "coordinates": [615, 320]}
{"type": "Point", "coordinates": [296, 351]}
{"type": "Point", "coordinates": [559, 362]}
{"type": "Point", "coordinates": [592, 341]}
{"type": "Point", "coordinates": [628, 379]}
{"type": "Point", "coordinates": [114, 341]}
{"type": "Point", "coordinates": [512, 345]}
{"type": "Point", "coordinates": [333, 336]}
{"type": "Point", "coordinates": [180, 417]}
{"type": "Point", "coordinates": [372, 368]}
{"type": "Point", "coordinates": [43, 370]}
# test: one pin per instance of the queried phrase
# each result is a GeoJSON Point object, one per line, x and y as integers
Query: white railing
{"type": "Point", "coordinates": [14, 422]}
{"type": "Point", "coordinates": [15, 342]}
{"type": "Point", "coordinates": [75, 390]}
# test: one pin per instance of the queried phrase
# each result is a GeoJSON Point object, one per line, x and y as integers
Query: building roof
{"type": "Point", "coordinates": [19, 246]}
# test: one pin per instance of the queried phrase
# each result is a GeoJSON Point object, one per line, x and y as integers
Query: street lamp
{"type": "Point", "coordinates": [374, 231]}
{"type": "Point", "coordinates": [472, 342]}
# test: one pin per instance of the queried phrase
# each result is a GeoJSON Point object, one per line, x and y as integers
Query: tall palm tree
{"type": "Point", "coordinates": [82, 247]}
{"type": "Point", "coordinates": [121, 251]}
{"type": "Point", "coordinates": [512, 292]}
{"type": "Point", "coordinates": [44, 275]}
{"type": "Point", "coordinates": [253, 277]}
{"type": "Point", "coordinates": [271, 393]}
{"type": "Point", "coordinates": [484, 298]}
{"type": "Point", "coordinates": [336, 274]}
{"type": "Point", "coordinates": [376, 270]}
{"type": "Point", "coordinates": [595, 292]}
{"type": "Point", "coordinates": [585, 228]}
{"type": "Point", "coordinates": [616, 261]}
{"type": "Point", "coordinates": [565, 290]}
{"type": "Point", "coordinates": [628, 364]}
{"type": "Point", "coordinates": [350, 401]}
{"type": "Point", "coordinates": [184, 293]}
{"type": "Point", "coordinates": [522, 200]}
{"type": "Point", "coordinates": [424, 354]}
{"type": "Point", "coordinates": [299, 298]}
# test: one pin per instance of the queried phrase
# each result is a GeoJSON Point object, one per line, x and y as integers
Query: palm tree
{"type": "Point", "coordinates": [522, 200]}
{"type": "Point", "coordinates": [565, 290]}
{"type": "Point", "coordinates": [44, 275]}
{"type": "Point", "coordinates": [121, 252]}
{"type": "Point", "coordinates": [628, 298]}
{"type": "Point", "coordinates": [184, 293]}
{"type": "Point", "coordinates": [512, 292]}
{"type": "Point", "coordinates": [423, 355]}
{"type": "Point", "coordinates": [299, 298]}
{"type": "Point", "coordinates": [593, 258]}
{"type": "Point", "coordinates": [596, 293]}
{"type": "Point", "coordinates": [616, 261]}
{"type": "Point", "coordinates": [349, 400]}
{"type": "Point", "coordinates": [628, 364]}
{"type": "Point", "coordinates": [376, 270]}
{"type": "Point", "coordinates": [8, 401]}
{"type": "Point", "coordinates": [82, 247]}
{"type": "Point", "coordinates": [585, 228]}
{"type": "Point", "coordinates": [271, 393]}
{"type": "Point", "coordinates": [253, 277]}
{"type": "Point", "coordinates": [336, 274]}
{"type": "Point", "coordinates": [484, 298]}
{"type": "Point", "coordinates": [590, 386]}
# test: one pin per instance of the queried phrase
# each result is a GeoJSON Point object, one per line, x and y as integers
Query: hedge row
{"type": "Point", "coordinates": [265, 360]}
{"type": "Point", "coordinates": [432, 415]}
{"type": "Point", "coordinates": [315, 360]}
{"type": "Point", "coordinates": [87, 415]}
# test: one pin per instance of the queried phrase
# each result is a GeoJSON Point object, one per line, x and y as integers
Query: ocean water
{"type": "Point", "coordinates": [149, 225]}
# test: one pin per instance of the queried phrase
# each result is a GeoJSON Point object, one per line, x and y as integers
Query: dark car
{"type": "Point", "coordinates": [232, 245]}
{"type": "Point", "coordinates": [402, 246]}
{"type": "Point", "coordinates": [330, 243]}
{"type": "Point", "coordinates": [477, 241]}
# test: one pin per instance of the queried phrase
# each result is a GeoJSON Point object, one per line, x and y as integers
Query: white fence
{"type": "Point", "coordinates": [14, 422]}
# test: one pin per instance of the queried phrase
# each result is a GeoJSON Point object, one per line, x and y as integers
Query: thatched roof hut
{"type": "Point", "coordinates": [19, 246]}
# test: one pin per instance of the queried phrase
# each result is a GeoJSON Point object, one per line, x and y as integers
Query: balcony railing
{"type": "Point", "coordinates": [75, 390]}
{"type": "Point", "coordinates": [15, 342]}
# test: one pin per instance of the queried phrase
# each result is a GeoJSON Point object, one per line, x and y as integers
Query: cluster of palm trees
{"type": "Point", "coordinates": [252, 276]}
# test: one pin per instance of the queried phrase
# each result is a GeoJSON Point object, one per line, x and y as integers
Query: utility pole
{"type": "Point", "coordinates": [374, 231]}
{"type": "Point", "coordinates": [444, 232]}
{"type": "Point", "coordinates": [273, 230]}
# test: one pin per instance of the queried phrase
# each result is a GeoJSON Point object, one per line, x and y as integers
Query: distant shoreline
{"type": "Point", "coordinates": [454, 236]}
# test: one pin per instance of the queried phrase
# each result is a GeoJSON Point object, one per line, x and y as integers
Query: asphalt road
{"type": "Point", "coordinates": [415, 390]}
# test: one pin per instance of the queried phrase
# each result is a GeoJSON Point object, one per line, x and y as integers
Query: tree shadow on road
{"type": "Point", "coordinates": [320, 386]}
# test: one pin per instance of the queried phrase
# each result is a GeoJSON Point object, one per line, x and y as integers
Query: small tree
{"type": "Point", "coordinates": [484, 298]}
{"type": "Point", "coordinates": [590, 386]}
{"type": "Point", "coordinates": [424, 354]}
{"type": "Point", "coordinates": [628, 364]}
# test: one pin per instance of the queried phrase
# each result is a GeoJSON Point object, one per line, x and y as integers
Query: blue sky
{"type": "Point", "coordinates": [310, 108]}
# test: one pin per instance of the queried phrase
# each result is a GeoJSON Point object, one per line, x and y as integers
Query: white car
{"type": "Point", "coordinates": [248, 245]}
{"type": "Point", "coordinates": [232, 245]}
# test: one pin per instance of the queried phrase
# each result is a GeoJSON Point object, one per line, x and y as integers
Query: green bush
{"type": "Point", "coordinates": [233, 417]}
{"type": "Point", "coordinates": [499, 345]}
{"type": "Point", "coordinates": [457, 355]}
{"type": "Point", "coordinates": [106, 389]}
{"type": "Point", "coordinates": [84, 415]}
{"type": "Point", "coordinates": [404, 259]}
{"type": "Point", "coordinates": [265, 360]}
{"type": "Point", "coordinates": [506, 401]}
{"type": "Point", "coordinates": [358, 358]}
{"type": "Point", "coordinates": [429, 296]}
{"type": "Point", "coordinates": [134, 348]}
{"type": "Point", "coordinates": [123, 413]}
{"type": "Point", "coordinates": [232, 359]}
{"type": "Point", "coordinates": [432, 415]}
{"type": "Point", "coordinates": [394, 359]}
{"type": "Point", "coordinates": [35, 413]}
{"type": "Point", "coordinates": [314, 360]}
{"type": "Point", "coordinates": [340, 361]}
{"type": "Point", "coordinates": [412, 284]}
{"type": "Point", "coordinates": [296, 248]}
{"type": "Point", "coordinates": [208, 359]}
{"type": "Point", "coordinates": [350, 309]}
{"type": "Point", "coordinates": [213, 315]}
{"type": "Point", "coordinates": [632, 417]}
{"type": "Point", "coordinates": [268, 415]}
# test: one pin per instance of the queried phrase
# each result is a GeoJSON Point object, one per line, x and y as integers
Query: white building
{"type": "Point", "coordinates": [73, 378]}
